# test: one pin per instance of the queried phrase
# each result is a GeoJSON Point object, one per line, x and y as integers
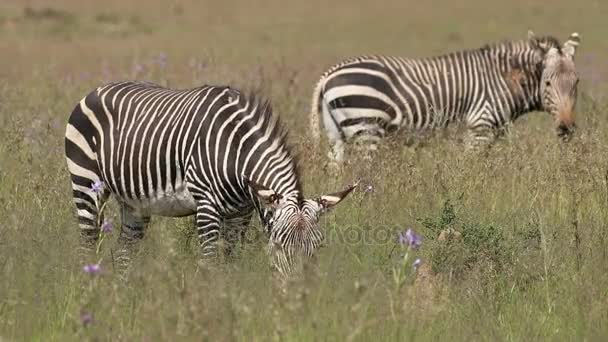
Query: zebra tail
{"type": "Point", "coordinates": [316, 112]}
{"type": "Point", "coordinates": [82, 139]}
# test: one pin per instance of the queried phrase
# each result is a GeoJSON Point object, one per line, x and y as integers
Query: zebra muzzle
{"type": "Point", "coordinates": [565, 131]}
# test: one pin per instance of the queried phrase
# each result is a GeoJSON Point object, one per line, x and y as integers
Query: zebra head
{"type": "Point", "coordinates": [293, 224]}
{"type": "Point", "coordinates": [559, 81]}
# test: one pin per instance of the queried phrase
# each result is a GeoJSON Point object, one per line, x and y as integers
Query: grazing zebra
{"type": "Point", "coordinates": [364, 98]}
{"type": "Point", "coordinates": [209, 151]}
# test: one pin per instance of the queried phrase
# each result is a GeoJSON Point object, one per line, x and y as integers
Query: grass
{"type": "Point", "coordinates": [531, 259]}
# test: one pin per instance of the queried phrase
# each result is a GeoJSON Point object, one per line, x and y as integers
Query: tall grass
{"type": "Point", "coordinates": [529, 259]}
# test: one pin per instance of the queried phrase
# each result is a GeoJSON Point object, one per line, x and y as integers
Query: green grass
{"type": "Point", "coordinates": [532, 259]}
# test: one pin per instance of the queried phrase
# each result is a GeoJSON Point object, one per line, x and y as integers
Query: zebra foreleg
{"type": "Point", "coordinates": [479, 139]}
{"type": "Point", "coordinates": [234, 231]}
{"type": "Point", "coordinates": [132, 231]}
{"type": "Point", "coordinates": [481, 126]}
{"type": "Point", "coordinates": [208, 221]}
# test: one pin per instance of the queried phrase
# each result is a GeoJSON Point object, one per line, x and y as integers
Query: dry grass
{"type": "Point", "coordinates": [531, 263]}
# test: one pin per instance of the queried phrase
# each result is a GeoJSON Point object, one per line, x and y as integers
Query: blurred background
{"type": "Point", "coordinates": [530, 262]}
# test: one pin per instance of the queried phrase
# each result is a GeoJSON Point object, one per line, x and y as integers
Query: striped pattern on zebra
{"type": "Point", "coordinates": [367, 97]}
{"type": "Point", "coordinates": [209, 151]}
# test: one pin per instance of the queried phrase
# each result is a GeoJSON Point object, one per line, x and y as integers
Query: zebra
{"type": "Point", "coordinates": [365, 98]}
{"type": "Point", "coordinates": [209, 151]}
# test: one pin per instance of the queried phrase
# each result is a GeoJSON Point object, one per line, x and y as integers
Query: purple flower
{"type": "Point", "coordinates": [402, 239]}
{"type": "Point", "coordinates": [105, 70]}
{"type": "Point", "coordinates": [97, 187]}
{"type": "Point", "coordinates": [138, 68]}
{"type": "Point", "coordinates": [86, 318]}
{"type": "Point", "coordinates": [410, 239]}
{"type": "Point", "coordinates": [162, 60]}
{"type": "Point", "coordinates": [414, 240]}
{"type": "Point", "coordinates": [417, 263]}
{"type": "Point", "coordinates": [92, 268]}
{"type": "Point", "coordinates": [106, 227]}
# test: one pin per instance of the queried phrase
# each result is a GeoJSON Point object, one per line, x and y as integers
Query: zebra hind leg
{"type": "Point", "coordinates": [132, 231]}
{"type": "Point", "coordinates": [89, 196]}
{"type": "Point", "coordinates": [335, 157]}
{"type": "Point", "coordinates": [366, 145]}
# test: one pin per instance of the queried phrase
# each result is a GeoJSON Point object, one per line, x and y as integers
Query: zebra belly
{"type": "Point", "coordinates": [171, 202]}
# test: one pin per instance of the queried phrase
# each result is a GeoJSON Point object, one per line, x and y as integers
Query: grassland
{"type": "Point", "coordinates": [532, 260]}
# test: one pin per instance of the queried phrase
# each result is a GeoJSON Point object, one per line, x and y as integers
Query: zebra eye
{"type": "Point", "coordinates": [548, 83]}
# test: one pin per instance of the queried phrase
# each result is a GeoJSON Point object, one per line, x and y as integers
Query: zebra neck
{"type": "Point", "coordinates": [521, 67]}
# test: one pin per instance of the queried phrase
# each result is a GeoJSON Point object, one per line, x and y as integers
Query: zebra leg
{"type": "Point", "coordinates": [367, 144]}
{"type": "Point", "coordinates": [89, 196]}
{"type": "Point", "coordinates": [335, 158]}
{"type": "Point", "coordinates": [479, 138]}
{"type": "Point", "coordinates": [336, 154]}
{"type": "Point", "coordinates": [208, 222]}
{"type": "Point", "coordinates": [234, 231]}
{"type": "Point", "coordinates": [335, 137]}
{"type": "Point", "coordinates": [132, 231]}
{"type": "Point", "coordinates": [481, 132]}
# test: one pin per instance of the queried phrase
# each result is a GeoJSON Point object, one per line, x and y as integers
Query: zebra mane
{"type": "Point", "coordinates": [507, 45]}
{"type": "Point", "coordinates": [272, 125]}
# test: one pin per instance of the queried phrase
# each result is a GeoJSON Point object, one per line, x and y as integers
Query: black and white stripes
{"type": "Point", "coordinates": [367, 97]}
{"type": "Point", "coordinates": [209, 151]}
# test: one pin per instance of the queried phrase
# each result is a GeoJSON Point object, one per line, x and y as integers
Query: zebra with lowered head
{"type": "Point", "coordinates": [209, 151]}
{"type": "Point", "coordinates": [363, 99]}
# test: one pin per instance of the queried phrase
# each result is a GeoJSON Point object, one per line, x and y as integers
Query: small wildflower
{"type": "Point", "coordinates": [414, 240]}
{"type": "Point", "coordinates": [402, 239]}
{"type": "Point", "coordinates": [369, 189]}
{"type": "Point", "coordinates": [105, 71]}
{"type": "Point", "coordinates": [106, 227]}
{"type": "Point", "coordinates": [138, 68]}
{"type": "Point", "coordinates": [97, 187]}
{"type": "Point", "coordinates": [410, 239]}
{"type": "Point", "coordinates": [162, 60]}
{"type": "Point", "coordinates": [416, 263]}
{"type": "Point", "coordinates": [92, 268]}
{"type": "Point", "coordinates": [86, 318]}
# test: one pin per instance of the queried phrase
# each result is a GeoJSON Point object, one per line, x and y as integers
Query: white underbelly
{"type": "Point", "coordinates": [171, 202]}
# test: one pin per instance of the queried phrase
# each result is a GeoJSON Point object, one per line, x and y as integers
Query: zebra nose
{"type": "Point", "coordinates": [565, 132]}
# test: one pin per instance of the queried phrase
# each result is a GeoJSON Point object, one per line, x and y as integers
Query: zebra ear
{"type": "Point", "coordinates": [268, 197]}
{"type": "Point", "coordinates": [569, 48]}
{"type": "Point", "coordinates": [533, 40]}
{"type": "Point", "coordinates": [328, 201]}
{"type": "Point", "coordinates": [537, 43]}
